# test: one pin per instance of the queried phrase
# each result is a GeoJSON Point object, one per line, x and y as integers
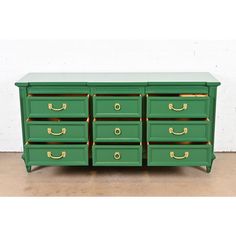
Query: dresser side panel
{"type": "Point", "coordinates": [212, 114]}
{"type": "Point", "coordinates": [23, 109]}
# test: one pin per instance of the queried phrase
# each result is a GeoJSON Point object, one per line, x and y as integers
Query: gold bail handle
{"type": "Point", "coordinates": [49, 154]}
{"type": "Point", "coordinates": [63, 107]}
{"type": "Point", "coordinates": [171, 131]}
{"type": "Point", "coordinates": [63, 131]}
{"type": "Point", "coordinates": [186, 155]}
{"type": "Point", "coordinates": [184, 107]}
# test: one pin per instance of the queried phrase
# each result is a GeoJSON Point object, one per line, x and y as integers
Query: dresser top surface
{"type": "Point", "coordinates": [198, 78]}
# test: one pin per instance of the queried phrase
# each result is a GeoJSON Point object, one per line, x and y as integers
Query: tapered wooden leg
{"type": "Point", "coordinates": [208, 168]}
{"type": "Point", "coordinates": [28, 168]}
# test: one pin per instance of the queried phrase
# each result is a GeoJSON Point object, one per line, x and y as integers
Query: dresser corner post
{"type": "Point", "coordinates": [209, 167]}
{"type": "Point", "coordinates": [26, 159]}
{"type": "Point", "coordinates": [212, 94]}
{"type": "Point", "coordinates": [23, 92]}
{"type": "Point", "coordinates": [23, 96]}
{"type": "Point", "coordinates": [28, 168]}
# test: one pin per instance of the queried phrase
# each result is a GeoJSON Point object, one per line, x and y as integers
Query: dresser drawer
{"type": "Point", "coordinates": [56, 155]}
{"type": "Point", "coordinates": [179, 155]}
{"type": "Point", "coordinates": [57, 107]}
{"type": "Point", "coordinates": [117, 155]}
{"type": "Point", "coordinates": [175, 131]}
{"type": "Point", "coordinates": [178, 107]}
{"type": "Point", "coordinates": [53, 131]}
{"type": "Point", "coordinates": [117, 131]}
{"type": "Point", "coordinates": [117, 106]}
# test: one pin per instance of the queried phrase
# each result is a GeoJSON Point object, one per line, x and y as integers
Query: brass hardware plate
{"type": "Point", "coordinates": [117, 155]}
{"type": "Point", "coordinates": [117, 106]}
{"type": "Point", "coordinates": [117, 131]}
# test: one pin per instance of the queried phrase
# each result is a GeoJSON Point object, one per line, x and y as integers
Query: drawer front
{"type": "Point", "coordinates": [57, 107]}
{"type": "Point", "coordinates": [117, 131]}
{"type": "Point", "coordinates": [179, 155]}
{"type": "Point", "coordinates": [117, 155]}
{"type": "Point", "coordinates": [184, 131]}
{"type": "Point", "coordinates": [111, 106]}
{"type": "Point", "coordinates": [43, 131]}
{"type": "Point", "coordinates": [57, 155]}
{"type": "Point", "coordinates": [177, 107]}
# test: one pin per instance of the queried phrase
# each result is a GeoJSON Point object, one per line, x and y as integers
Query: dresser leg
{"type": "Point", "coordinates": [28, 168]}
{"type": "Point", "coordinates": [208, 168]}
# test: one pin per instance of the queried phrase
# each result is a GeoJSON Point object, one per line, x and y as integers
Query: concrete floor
{"type": "Point", "coordinates": [126, 181]}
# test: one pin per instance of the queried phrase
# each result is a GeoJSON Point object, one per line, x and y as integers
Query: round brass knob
{"type": "Point", "coordinates": [117, 155]}
{"type": "Point", "coordinates": [117, 131]}
{"type": "Point", "coordinates": [117, 106]}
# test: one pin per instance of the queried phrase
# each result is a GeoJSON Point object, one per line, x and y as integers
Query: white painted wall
{"type": "Point", "coordinates": [20, 57]}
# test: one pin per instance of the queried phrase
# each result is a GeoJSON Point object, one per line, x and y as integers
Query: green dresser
{"type": "Point", "coordinates": [118, 119]}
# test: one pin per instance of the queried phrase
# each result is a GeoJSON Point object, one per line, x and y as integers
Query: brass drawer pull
{"type": "Point", "coordinates": [117, 131]}
{"type": "Point", "coordinates": [63, 131]}
{"type": "Point", "coordinates": [50, 107]}
{"type": "Point", "coordinates": [186, 155]}
{"type": "Point", "coordinates": [117, 155]}
{"type": "Point", "coordinates": [117, 106]}
{"type": "Point", "coordinates": [63, 154]}
{"type": "Point", "coordinates": [171, 131]}
{"type": "Point", "coordinates": [184, 107]}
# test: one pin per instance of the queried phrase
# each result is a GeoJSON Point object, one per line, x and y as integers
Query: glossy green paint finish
{"type": "Point", "coordinates": [58, 89]}
{"type": "Point", "coordinates": [197, 107]}
{"type": "Point", "coordinates": [212, 94]}
{"type": "Point", "coordinates": [197, 131]}
{"type": "Point", "coordinates": [177, 89]}
{"type": "Point", "coordinates": [114, 79]}
{"type": "Point", "coordinates": [133, 87]}
{"type": "Point", "coordinates": [23, 95]}
{"type": "Point", "coordinates": [130, 155]}
{"type": "Point", "coordinates": [105, 106]}
{"type": "Point", "coordinates": [76, 154]}
{"type": "Point", "coordinates": [117, 131]}
{"type": "Point", "coordinates": [119, 88]}
{"type": "Point", "coordinates": [75, 131]}
{"type": "Point", "coordinates": [199, 155]}
{"type": "Point", "coordinates": [76, 107]}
